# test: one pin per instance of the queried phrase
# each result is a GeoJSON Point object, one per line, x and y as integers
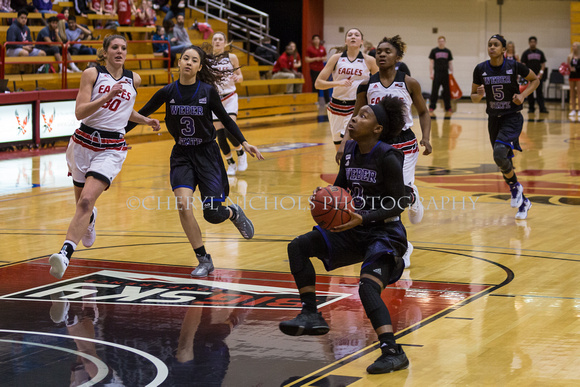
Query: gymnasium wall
{"type": "Point", "coordinates": [467, 24]}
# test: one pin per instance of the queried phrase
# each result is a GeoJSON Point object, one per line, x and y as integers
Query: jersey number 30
{"type": "Point", "coordinates": [188, 126]}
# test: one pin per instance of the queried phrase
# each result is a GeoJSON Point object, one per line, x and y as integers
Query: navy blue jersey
{"type": "Point", "coordinates": [375, 180]}
{"type": "Point", "coordinates": [188, 111]}
{"type": "Point", "coordinates": [501, 83]}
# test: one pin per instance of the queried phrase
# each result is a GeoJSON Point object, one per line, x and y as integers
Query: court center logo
{"type": "Point", "coordinates": [125, 288]}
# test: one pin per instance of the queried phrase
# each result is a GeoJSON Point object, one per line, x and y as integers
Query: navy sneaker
{"type": "Point", "coordinates": [392, 359]}
{"type": "Point", "coordinates": [305, 323]}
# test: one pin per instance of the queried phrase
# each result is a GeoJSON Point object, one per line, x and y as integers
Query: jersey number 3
{"type": "Point", "coordinates": [188, 126]}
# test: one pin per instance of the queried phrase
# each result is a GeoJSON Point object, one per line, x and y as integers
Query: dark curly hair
{"type": "Point", "coordinates": [396, 42]}
{"type": "Point", "coordinates": [395, 122]}
{"type": "Point", "coordinates": [208, 74]}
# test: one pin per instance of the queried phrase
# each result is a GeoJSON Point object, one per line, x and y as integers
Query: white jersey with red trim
{"type": "Point", "coordinates": [114, 114]}
{"type": "Point", "coordinates": [227, 85]}
{"type": "Point", "coordinates": [356, 70]}
{"type": "Point", "coordinates": [377, 91]}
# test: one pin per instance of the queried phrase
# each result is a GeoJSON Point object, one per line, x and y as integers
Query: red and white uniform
{"type": "Point", "coordinates": [96, 4]}
{"type": "Point", "coordinates": [124, 12]}
{"type": "Point", "coordinates": [98, 147]}
{"type": "Point", "coordinates": [108, 6]}
{"type": "Point", "coordinates": [227, 88]}
{"type": "Point", "coordinates": [343, 100]}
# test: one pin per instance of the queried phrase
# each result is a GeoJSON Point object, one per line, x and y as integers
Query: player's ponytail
{"type": "Point", "coordinates": [397, 43]}
{"type": "Point", "coordinates": [208, 73]}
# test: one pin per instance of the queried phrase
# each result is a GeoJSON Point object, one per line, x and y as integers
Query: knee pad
{"type": "Point", "coordinates": [370, 295]}
{"type": "Point", "coordinates": [215, 213]}
{"type": "Point", "coordinates": [223, 142]}
{"type": "Point", "coordinates": [500, 156]}
{"type": "Point", "coordinates": [295, 256]}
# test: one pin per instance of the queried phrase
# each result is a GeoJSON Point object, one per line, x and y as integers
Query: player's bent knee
{"type": "Point", "coordinates": [216, 214]}
{"type": "Point", "coordinates": [369, 292]}
{"type": "Point", "coordinates": [500, 156]}
{"type": "Point", "coordinates": [295, 256]}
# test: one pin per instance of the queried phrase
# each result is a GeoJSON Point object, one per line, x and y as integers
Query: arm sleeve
{"type": "Point", "coordinates": [392, 167]}
{"type": "Point", "coordinates": [341, 180]}
{"type": "Point", "coordinates": [362, 88]}
{"type": "Point", "coordinates": [150, 107]}
{"type": "Point", "coordinates": [216, 106]}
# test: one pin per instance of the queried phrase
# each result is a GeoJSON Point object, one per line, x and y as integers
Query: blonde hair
{"type": "Point", "coordinates": [62, 30]}
{"type": "Point", "coordinates": [106, 43]}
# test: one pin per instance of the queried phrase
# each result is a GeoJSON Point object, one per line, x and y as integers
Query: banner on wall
{"type": "Point", "coordinates": [16, 123]}
{"type": "Point", "coordinates": [57, 119]}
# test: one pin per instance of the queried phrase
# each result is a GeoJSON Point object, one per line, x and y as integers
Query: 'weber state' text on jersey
{"type": "Point", "coordinates": [188, 111]}
{"type": "Point", "coordinates": [227, 85]}
{"type": "Point", "coordinates": [356, 70]}
{"type": "Point", "coordinates": [501, 83]}
{"type": "Point", "coordinates": [376, 91]}
{"type": "Point", "coordinates": [114, 114]}
{"type": "Point", "coordinates": [375, 180]}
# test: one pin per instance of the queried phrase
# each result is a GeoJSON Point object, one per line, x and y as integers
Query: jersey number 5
{"type": "Point", "coordinates": [189, 126]}
{"type": "Point", "coordinates": [497, 92]}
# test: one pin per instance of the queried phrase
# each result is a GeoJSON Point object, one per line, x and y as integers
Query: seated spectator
{"type": "Point", "coordinates": [287, 67]}
{"type": "Point", "coordinates": [81, 8]}
{"type": "Point", "coordinates": [5, 6]}
{"type": "Point", "coordinates": [43, 6]}
{"type": "Point", "coordinates": [266, 55]}
{"type": "Point", "coordinates": [19, 32]}
{"type": "Point", "coordinates": [50, 34]}
{"type": "Point", "coordinates": [77, 33]}
{"type": "Point", "coordinates": [162, 48]}
{"type": "Point", "coordinates": [161, 5]}
{"type": "Point", "coordinates": [125, 8]}
{"type": "Point", "coordinates": [180, 38]}
{"type": "Point", "coordinates": [96, 6]}
{"type": "Point", "coordinates": [17, 5]}
{"type": "Point", "coordinates": [64, 14]}
{"type": "Point", "coordinates": [145, 15]}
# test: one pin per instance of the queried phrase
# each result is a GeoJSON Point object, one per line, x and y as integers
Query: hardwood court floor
{"type": "Point", "coordinates": [488, 300]}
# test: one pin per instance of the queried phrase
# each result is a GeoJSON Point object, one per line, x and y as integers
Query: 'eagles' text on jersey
{"type": "Point", "coordinates": [501, 83]}
{"type": "Point", "coordinates": [356, 70]}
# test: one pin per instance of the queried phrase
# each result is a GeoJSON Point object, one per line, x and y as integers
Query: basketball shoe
{"type": "Point", "coordinates": [205, 266]}
{"type": "Point", "coordinates": [416, 210]}
{"type": "Point", "coordinates": [407, 255]}
{"type": "Point", "coordinates": [523, 210]}
{"type": "Point", "coordinates": [90, 236]}
{"type": "Point", "coordinates": [392, 359]}
{"type": "Point", "coordinates": [243, 162]}
{"type": "Point", "coordinates": [59, 308]}
{"type": "Point", "coordinates": [58, 264]}
{"type": "Point", "coordinates": [232, 169]}
{"type": "Point", "coordinates": [517, 191]}
{"type": "Point", "coordinates": [306, 323]}
{"type": "Point", "coordinates": [242, 223]}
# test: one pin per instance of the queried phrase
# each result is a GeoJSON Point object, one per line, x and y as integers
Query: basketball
{"type": "Point", "coordinates": [330, 206]}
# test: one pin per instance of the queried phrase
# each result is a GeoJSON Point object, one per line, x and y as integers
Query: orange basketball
{"type": "Point", "coordinates": [330, 206]}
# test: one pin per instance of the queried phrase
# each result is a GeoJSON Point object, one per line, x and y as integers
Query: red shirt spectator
{"type": "Point", "coordinates": [313, 52]}
{"type": "Point", "coordinates": [125, 8]}
{"type": "Point", "coordinates": [286, 61]}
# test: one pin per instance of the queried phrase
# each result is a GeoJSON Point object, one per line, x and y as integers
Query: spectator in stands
{"type": "Point", "coordinates": [96, 6]}
{"type": "Point", "coordinates": [204, 28]}
{"type": "Point", "coordinates": [64, 14]}
{"type": "Point", "coordinates": [109, 7]}
{"type": "Point", "coordinates": [77, 33]}
{"type": "Point", "coordinates": [266, 55]}
{"type": "Point", "coordinates": [287, 67]}
{"type": "Point", "coordinates": [163, 48]}
{"type": "Point", "coordinates": [180, 39]}
{"type": "Point", "coordinates": [316, 56]}
{"type": "Point", "coordinates": [145, 15]}
{"type": "Point", "coordinates": [5, 6]}
{"type": "Point", "coordinates": [22, 4]}
{"type": "Point", "coordinates": [43, 6]}
{"type": "Point", "coordinates": [50, 34]}
{"type": "Point", "coordinates": [125, 8]}
{"type": "Point", "coordinates": [19, 32]}
{"type": "Point", "coordinates": [369, 49]}
{"type": "Point", "coordinates": [81, 8]}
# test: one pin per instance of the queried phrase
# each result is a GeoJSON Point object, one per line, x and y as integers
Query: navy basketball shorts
{"type": "Point", "coordinates": [505, 129]}
{"type": "Point", "coordinates": [200, 165]}
{"type": "Point", "coordinates": [366, 244]}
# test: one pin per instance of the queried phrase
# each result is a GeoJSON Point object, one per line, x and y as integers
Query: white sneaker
{"type": "Point", "coordinates": [523, 210]}
{"type": "Point", "coordinates": [91, 234]}
{"type": "Point", "coordinates": [572, 113]}
{"type": "Point", "coordinates": [74, 68]}
{"type": "Point", "coordinates": [58, 264]}
{"type": "Point", "coordinates": [243, 162]}
{"type": "Point", "coordinates": [517, 195]}
{"type": "Point", "coordinates": [416, 211]}
{"type": "Point", "coordinates": [407, 255]}
{"type": "Point", "coordinates": [231, 169]}
{"type": "Point", "coordinates": [59, 308]}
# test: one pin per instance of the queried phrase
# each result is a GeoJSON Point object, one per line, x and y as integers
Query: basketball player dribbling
{"type": "Point", "coordinates": [228, 62]}
{"type": "Point", "coordinates": [97, 150]}
{"type": "Point", "coordinates": [348, 68]}
{"type": "Point", "coordinates": [389, 81]}
{"type": "Point", "coordinates": [373, 171]}
{"type": "Point", "coordinates": [497, 79]}
{"type": "Point", "coordinates": [195, 158]}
